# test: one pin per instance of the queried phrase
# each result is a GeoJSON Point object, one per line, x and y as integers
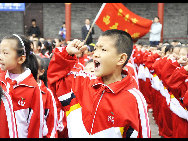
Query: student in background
{"type": "Point", "coordinates": [49, 103]}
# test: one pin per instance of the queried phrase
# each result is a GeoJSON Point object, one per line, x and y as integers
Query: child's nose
{"type": "Point", "coordinates": [96, 54]}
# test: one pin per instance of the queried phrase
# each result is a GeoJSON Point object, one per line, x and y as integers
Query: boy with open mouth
{"type": "Point", "coordinates": [108, 105]}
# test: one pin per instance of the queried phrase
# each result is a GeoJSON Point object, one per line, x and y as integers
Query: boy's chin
{"type": "Point", "coordinates": [98, 74]}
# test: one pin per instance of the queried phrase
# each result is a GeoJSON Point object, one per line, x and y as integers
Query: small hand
{"type": "Point", "coordinates": [76, 47]}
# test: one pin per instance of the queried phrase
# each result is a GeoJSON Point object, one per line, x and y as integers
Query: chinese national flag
{"type": "Point", "coordinates": [117, 16]}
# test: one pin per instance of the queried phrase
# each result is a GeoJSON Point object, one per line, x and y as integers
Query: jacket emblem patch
{"type": "Point", "coordinates": [21, 101]}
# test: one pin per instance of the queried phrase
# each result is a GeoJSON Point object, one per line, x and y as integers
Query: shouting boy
{"type": "Point", "coordinates": [108, 105]}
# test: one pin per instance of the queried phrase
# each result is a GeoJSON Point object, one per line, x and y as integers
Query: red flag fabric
{"type": "Point", "coordinates": [117, 16]}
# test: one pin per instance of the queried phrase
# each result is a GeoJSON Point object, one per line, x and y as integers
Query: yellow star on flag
{"type": "Point", "coordinates": [106, 19]}
{"type": "Point", "coordinates": [135, 35]}
{"type": "Point", "coordinates": [126, 30]}
{"type": "Point", "coordinates": [114, 26]}
{"type": "Point", "coordinates": [134, 20]}
{"type": "Point", "coordinates": [126, 17]}
{"type": "Point", "coordinates": [120, 12]}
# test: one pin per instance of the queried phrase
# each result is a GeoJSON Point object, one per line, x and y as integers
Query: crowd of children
{"type": "Point", "coordinates": [54, 89]}
{"type": "Point", "coordinates": [162, 78]}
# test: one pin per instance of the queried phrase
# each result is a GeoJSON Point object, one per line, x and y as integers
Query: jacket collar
{"type": "Point", "coordinates": [26, 78]}
{"type": "Point", "coordinates": [21, 77]}
{"type": "Point", "coordinates": [126, 83]}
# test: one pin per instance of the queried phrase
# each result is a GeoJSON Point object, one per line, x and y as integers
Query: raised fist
{"type": "Point", "coordinates": [76, 47]}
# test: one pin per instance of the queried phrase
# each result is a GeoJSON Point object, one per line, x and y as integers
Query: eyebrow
{"type": "Point", "coordinates": [98, 45]}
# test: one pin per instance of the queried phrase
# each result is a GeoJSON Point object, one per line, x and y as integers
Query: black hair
{"type": "Point", "coordinates": [166, 41]}
{"type": "Point", "coordinates": [43, 64]}
{"type": "Point", "coordinates": [31, 43]}
{"type": "Point", "coordinates": [157, 17]}
{"type": "Point", "coordinates": [140, 43]}
{"type": "Point", "coordinates": [175, 41]}
{"type": "Point", "coordinates": [33, 20]}
{"type": "Point", "coordinates": [31, 60]}
{"type": "Point", "coordinates": [39, 43]}
{"type": "Point", "coordinates": [53, 44]}
{"type": "Point", "coordinates": [91, 48]}
{"type": "Point", "coordinates": [48, 47]}
{"type": "Point", "coordinates": [169, 48]}
{"type": "Point", "coordinates": [123, 43]}
{"type": "Point", "coordinates": [63, 22]}
{"type": "Point", "coordinates": [1, 93]}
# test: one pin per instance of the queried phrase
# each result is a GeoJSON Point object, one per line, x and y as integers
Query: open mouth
{"type": "Point", "coordinates": [97, 64]}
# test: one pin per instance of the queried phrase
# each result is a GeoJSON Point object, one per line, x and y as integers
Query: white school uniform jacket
{"type": "Point", "coordinates": [21, 107]}
{"type": "Point", "coordinates": [155, 34]}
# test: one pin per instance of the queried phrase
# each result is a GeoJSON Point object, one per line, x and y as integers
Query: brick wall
{"type": "Point", "coordinates": [11, 22]}
{"type": "Point", "coordinates": [175, 18]}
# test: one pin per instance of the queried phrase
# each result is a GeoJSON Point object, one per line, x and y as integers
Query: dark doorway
{"type": "Point", "coordinates": [33, 11]}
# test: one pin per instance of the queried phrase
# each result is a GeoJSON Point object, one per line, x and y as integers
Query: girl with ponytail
{"type": "Point", "coordinates": [21, 106]}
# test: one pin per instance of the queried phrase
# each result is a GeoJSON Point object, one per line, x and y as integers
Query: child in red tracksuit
{"type": "Point", "coordinates": [21, 106]}
{"type": "Point", "coordinates": [49, 103]}
{"type": "Point", "coordinates": [175, 78]}
{"type": "Point", "coordinates": [109, 105]}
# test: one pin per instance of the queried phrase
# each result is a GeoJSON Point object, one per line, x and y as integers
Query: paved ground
{"type": "Point", "coordinates": [153, 126]}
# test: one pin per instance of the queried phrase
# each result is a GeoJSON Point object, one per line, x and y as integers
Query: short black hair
{"type": "Point", "coordinates": [123, 43]}
{"type": "Point", "coordinates": [156, 17]}
{"type": "Point", "coordinates": [63, 22]}
{"type": "Point", "coordinates": [169, 48]}
{"type": "Point", "coordinates": [33, 20]}
{"type": "Point", "coordinates": [87, 19]}
{"type": "Point", "coordinates": [175, 41]}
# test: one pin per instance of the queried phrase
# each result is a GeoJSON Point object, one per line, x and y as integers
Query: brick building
{"type": "Point", "coordinates": [53, 15]}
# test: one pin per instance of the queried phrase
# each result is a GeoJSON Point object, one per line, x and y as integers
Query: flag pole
{"type": "Point", "coordinates": [98, 14]}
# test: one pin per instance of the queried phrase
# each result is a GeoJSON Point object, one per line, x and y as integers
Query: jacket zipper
{"type": "Point", "coordinates": [96, 112]}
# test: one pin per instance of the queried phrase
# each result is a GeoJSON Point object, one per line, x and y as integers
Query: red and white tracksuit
{"type": "Point", "coordinates": [94, 109]}
{"type": "Point", "coordinates": [164, 85]}
{"type": "Point", "coordinates": [50, 112]}
{"type": "Point", "coordinates": [21, 107]}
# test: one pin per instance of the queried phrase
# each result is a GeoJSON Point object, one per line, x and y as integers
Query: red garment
{"type": "Point", "coordinates": [180, 127]}
{"type": "Point", "coordinates": [175, 78]}
{"type": "Point", "coordinates": [185, 99]}
{"type": "Point", "coordinates": [91, 107]}
{"type": "Point", "coordinates": [84, 59]}
{"type": "Point", "coordinates": [50, 115]}
{"type": "Point", "coordinates": [24, 107]}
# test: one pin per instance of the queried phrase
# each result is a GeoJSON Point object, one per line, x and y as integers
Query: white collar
{"type": "Point", "coordinates": [87, 26]}
{"type": "Point", "coordinates": [21, 77]}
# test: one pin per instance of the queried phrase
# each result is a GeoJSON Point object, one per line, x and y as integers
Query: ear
{"type": "Point", "coordinates": [21, 59]}
{"type": "Point", "coordinates": [122, 59]}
